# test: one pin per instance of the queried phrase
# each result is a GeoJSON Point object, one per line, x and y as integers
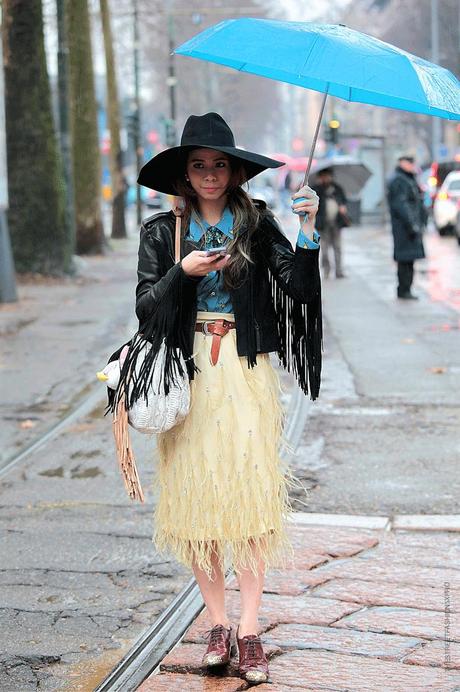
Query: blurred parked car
{"type": "Point", "coordinates": [445, 206]}
{"type": "Point", "coordinates": [156, 200]}
{"type": "Point", "coordinates": [150, 198]}
{"type": "Point", "coordinates": [457, 225]}
{"type": "Point", "coordinates": [439, 171]}
{"type": "Point", "coordinates": [131, 195]}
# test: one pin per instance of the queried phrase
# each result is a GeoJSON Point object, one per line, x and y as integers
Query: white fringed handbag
{"type": "Point", "coordinates": [156, 412]}
{"type": "Point", "coordinates": [159, 411]}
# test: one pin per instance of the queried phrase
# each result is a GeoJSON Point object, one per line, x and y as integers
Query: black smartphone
{"type": "Point", "coordinates": [222, 250]}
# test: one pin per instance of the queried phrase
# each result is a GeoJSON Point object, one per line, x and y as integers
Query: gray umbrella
{"type": "Point", "coordinates": [350, 173]}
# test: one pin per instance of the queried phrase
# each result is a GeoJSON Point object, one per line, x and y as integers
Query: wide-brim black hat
{"type": "Point", "coordinates": [209, 131]}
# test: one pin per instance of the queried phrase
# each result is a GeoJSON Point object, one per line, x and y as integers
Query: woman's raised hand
{"type": "Point", "coordinates": [198, 263]}
{"type": "Point", "coordinates": [308, 204]}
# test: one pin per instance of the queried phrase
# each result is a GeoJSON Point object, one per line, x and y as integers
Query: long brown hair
{"type": "Point", "coordinates": [245, 220]}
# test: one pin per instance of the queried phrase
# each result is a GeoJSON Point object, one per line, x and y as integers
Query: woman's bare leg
{"type": "Point", "coordinates": [213, 591]}
{"type": "Point", "coordinates": [251, 588]}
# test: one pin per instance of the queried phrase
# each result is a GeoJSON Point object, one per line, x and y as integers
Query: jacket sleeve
{"type": "Point", "coordinates": [397, 199]}
{"type": "Point", "coordinates": [297, 271]}
{"type": "Point", "coordinates": [340, 194]}
{"type": "Point", "coordinates": [155, 288]}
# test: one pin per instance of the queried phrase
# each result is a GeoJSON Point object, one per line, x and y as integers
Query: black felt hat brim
{"type": "Point", "coordinates": [161, 172]}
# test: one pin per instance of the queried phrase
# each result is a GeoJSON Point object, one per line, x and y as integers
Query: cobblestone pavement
{"type": "Point", "coordinates": [358, 609]}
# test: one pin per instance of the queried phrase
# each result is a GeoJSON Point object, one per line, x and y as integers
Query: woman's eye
{"type": "Point", "coordinates": [221, 164]}
{"type": "Point", "coordinates": [197, 165]}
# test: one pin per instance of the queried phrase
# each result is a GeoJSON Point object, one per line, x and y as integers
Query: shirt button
{"type": "Point", "coordinates": [213, 293]}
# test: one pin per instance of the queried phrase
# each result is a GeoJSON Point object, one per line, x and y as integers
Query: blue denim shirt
{"type": "Point", "coordinates": [211, 294]}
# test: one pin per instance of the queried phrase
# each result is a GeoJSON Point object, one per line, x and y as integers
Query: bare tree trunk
{"type": "Point", "coordinates": [85, 141]}
{"type": "Point", "coordinates": [116, 156]}
{"type": "Point", "coordinates": [40, 237]}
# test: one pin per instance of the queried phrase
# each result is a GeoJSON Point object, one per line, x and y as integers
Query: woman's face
{"type": "Point", "coordinates": [209, 173]}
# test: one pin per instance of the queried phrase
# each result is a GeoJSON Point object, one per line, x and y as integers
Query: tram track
{"type": "Point", "coordinates": [148, 651]}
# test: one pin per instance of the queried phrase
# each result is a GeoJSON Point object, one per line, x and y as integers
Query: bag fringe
{"type": "Point", "coordinates": [164, 325]}
{"type": "Point", "coordinates": [125, 454]}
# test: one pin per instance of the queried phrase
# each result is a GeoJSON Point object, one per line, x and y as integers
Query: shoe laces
{"type": "Point", "coordinates": [253, 650]}
{"type": "Point", "coordinates": [215, 634]}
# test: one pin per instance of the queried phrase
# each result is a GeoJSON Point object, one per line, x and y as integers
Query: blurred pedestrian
{"type": "Point", "coordinates": [408, 219]}
{"type": "Point", "coordinates": [330, 219]}
{"type": "Point", "coordinates": [287, 190]}
{"type": "Point", "coordinates": [223, 494]}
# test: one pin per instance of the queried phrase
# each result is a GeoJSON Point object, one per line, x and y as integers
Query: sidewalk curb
{"type": "Point", "coordinates": [408, 522]}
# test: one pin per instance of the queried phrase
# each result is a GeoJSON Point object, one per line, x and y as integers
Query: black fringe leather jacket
{"type": "Point", "coordinates": [277, 308]}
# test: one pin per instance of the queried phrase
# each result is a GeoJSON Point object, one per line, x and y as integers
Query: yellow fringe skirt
{"type": "Point", "coordinates": [222, 485]}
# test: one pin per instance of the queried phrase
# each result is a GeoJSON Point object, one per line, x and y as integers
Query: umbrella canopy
{"type": "Point", "coordinates": [332, 59]}
{"type": "Point", "coordinates": [350, 173]}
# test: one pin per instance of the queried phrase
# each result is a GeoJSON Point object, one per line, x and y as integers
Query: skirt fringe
{"type": "Point", "coordinates": [223, 488]}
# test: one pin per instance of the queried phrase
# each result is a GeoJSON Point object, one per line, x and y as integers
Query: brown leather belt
{"type": "Point", "coordinates": [218, 329]}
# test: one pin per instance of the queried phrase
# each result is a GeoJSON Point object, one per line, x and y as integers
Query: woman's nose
{"type": "Point", "coordinates": [210, 174]}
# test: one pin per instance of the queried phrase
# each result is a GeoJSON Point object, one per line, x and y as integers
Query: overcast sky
{"type": "Point", "coordinates": [307, 11]}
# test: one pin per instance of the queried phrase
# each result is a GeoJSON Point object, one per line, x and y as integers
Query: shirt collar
{"type": "Point", "coordinates": [198, 225]}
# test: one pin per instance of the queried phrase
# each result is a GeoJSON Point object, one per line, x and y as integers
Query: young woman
{"type": "Point", "coordinates": [223, 491]}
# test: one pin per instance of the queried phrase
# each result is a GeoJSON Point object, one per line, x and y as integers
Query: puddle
{"type": "Point", "coordinates": [70, 323]}
{"type": "Point", "coordinates": [38, 407]}
{"type": "Point", "coordinates": [57, 472]}
{"type": "Point", "coordinates": [76, 472]}
{"type": "Point", "coordinates": [90, 472]}
{"type": "Point", "coordinates": [88, 673]}
{"type": "Point", "coordinates": [85, 455]}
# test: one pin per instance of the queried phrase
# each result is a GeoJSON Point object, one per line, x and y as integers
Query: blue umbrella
{"type": "Point", "coordinates": [332, 59]}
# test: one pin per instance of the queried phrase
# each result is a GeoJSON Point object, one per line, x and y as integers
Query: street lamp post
{"type": "Point", "coordinates": [7, 275]}
{"type": "Point", "coordinates": [171, 83]}
{"type": "Point", "coordinates": [435, 122]}
{"type": "Point", "coordinates": [137, 111]}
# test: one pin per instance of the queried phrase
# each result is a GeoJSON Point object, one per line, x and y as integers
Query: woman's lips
{"type": "Point", "coordinates": [210, 189]}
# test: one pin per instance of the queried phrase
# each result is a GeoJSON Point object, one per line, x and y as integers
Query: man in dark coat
{"type": "Point", "coordinates": [332, 205]}
{"type": "Point", "coordinates": [408, 218]}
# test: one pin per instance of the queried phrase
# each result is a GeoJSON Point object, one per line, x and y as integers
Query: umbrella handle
{"type": "Point", "coordinates": [315, 137]}
{"type": "Point", "coordinates": [302, 216]}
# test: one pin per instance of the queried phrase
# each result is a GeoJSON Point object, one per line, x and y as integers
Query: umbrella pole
{"type": "Point", "coordinates": [313, 144]}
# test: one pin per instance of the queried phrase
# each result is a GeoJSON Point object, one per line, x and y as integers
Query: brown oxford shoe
{"type": "Point", "coordinates": [253, 664]}
{"type": "Point", "coordinates": [219, 647]}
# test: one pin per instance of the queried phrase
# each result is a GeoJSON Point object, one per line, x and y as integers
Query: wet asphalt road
{"type": "Point", "coordinates": [80, 578]}
{"type": "Point", "coordinates": [383, 437]}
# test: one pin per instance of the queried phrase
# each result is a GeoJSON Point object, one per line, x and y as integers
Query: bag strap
{"type": "Point", "coordinates": [177, 209]}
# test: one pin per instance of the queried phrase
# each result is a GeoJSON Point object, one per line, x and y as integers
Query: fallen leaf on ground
{"type": "Point", "coordinates": [25, 424]}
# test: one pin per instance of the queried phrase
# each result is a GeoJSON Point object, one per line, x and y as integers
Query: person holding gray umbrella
{"type": "Point", "coordinates": [330, 219]}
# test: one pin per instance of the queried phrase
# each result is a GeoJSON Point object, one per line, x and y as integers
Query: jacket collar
{"type": "Point", "coordinates": [406, 173]}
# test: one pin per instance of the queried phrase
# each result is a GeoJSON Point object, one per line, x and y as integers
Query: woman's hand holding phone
{"type": "Point", "coordinates": [200, 263]}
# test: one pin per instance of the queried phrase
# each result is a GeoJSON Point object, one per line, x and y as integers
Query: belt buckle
{"type": "Point", "coordinates": [205, 328]}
